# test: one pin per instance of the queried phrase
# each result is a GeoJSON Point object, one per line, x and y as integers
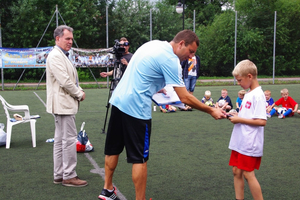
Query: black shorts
{"type": "Point", "coordinates": [129, 132]}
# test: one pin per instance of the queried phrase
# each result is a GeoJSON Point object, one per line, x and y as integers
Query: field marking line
{"type": "Point", "coordinates": [42, 101]}
{"type": "Point", "coordinates": [101, 172]}
{"type": "Point", "coordinates": [97, 169]}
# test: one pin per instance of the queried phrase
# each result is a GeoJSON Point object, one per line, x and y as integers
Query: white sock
{"type": "Point", "coordinates": [110, 190]}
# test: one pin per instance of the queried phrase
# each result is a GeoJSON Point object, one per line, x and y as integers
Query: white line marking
{"type": "Point", "coordinates": [101, 172]}
{"type": "Point", "coordinates": [42, 101]}
{"type": "Point", "coordinates": [97, 169]}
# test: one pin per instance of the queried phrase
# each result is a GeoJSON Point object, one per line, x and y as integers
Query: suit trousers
{"type": "Point", "coordinates": [64, 148]}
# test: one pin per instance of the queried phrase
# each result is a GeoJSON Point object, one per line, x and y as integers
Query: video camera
{"type": "Point", "coordinates": [118, 50]}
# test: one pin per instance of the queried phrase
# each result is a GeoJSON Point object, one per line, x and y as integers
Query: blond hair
{"type": "Point", "coordinates": [242, 92]}
{"type": "Point", "coordinates": [224, 90]}
{"type": "Point", "coordinates": [244, 68]}
{"type": "Point", "coordinates": [207, 93]}
{"type": "Point", "coordinates": [283, 91]}
{"type": "Point", "coordinates": [268, 92]}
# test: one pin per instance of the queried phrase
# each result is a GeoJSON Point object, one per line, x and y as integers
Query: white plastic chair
{"type": "Point", "coordinates": [10, 123]}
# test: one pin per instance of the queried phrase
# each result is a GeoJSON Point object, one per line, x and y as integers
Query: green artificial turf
{"type": "Point", "coordinates": [188, 154]}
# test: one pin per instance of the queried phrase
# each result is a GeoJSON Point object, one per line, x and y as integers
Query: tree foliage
{"type": "Point", "coordinates": [255, 36]}
{"type": "Point", "coordinates": [24, 23]}
{"type": "Point", "coordinates": [217, 50]}
{"type": "Point", "coordinates": [206, 10]}
{"type": "Point", "coordinates": [29, 19]}
{"type": "Point", "coordinates": [259, 16]}
{"type": "Point", "coordinates": [131, 19]}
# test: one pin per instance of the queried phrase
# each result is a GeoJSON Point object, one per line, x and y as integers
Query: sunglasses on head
{"type": "Point", "coordinates": [125, 44]}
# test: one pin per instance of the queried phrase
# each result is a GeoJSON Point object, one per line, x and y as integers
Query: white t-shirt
{"type": "Point", "coordinates": [151, 67]}
{"type": "Point", "coordinates": [193, 71]}
{"type": "Point", "coordinates": [247, 139]}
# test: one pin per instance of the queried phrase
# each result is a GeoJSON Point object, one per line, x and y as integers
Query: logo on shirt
{"type": "Point", "coordinates": [248, 105]}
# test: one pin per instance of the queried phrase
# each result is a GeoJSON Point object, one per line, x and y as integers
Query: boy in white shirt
{"type": "Point", "coordinates": [247, 137]}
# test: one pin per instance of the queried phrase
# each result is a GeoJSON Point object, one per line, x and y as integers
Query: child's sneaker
{"type": "Point", "coordinates": [106, 195]}
{"type": "Point", "coordinates": [268, 115]}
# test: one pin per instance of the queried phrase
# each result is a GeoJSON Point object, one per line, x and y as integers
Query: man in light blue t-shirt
{"type": "Point", "coordinates": [153, 65]}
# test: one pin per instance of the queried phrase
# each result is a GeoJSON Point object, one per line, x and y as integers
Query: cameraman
{"type": "Point", "coordinates": [124, 59]}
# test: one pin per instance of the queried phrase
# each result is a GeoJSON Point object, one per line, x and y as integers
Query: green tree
{"type": "Point", "coordinates": [217, 45]}
{"type": "Point", "coordinates": [27, 20]}
{"type": "Point", "coordinates": [30, 18]}
{"type": "Point", "coordinates": [288, 37]}
{"type": "Point", "coordinates": [166, 22]}
{"type": "Point", "coordinates": [100, 23]}
{"type": "Point", "coordinates": [255, 35]}
{"type": "Point", "coordinates": [206, 10]}
{"type": "Point", "coordinates": [131, 20]}
{"type": "Point", "coordinates": [255, 32]}
{"type": "Point", "coordinates": [258, 16]}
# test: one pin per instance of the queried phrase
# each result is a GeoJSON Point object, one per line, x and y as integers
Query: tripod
{"type": "Point", "coordinates": [117, 75]}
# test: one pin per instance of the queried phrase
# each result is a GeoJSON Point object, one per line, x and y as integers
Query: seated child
{"type": "Point", "coordinates": [186, 108]}
{"type": "Point", "coordinates": [239, 99]}
{"type": "Point", "coordinates": [286, 102]}
{"type": "Point", "coordinates": [226, 99]}
{"type": "Point", "coordinates": [207, 99]}
{"type": "Point", "coordinates": [270, 102]}
{"type": "Point", "coordinates": [167, 108]}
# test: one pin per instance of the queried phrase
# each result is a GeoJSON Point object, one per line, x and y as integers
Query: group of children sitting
{"type": "Point", "coordinates": [283, 107]}
{"type": "Point", "coordinates": [224, 102]}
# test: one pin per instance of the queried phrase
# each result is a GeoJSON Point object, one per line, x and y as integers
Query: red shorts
{"type": "Point", "coordinates": [243, 162]}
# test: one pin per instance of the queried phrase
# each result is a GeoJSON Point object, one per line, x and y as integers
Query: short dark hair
{"type": "Point", "coordinates": [59, 31]}
{"type": "Point", "coordinates": [188, 36]}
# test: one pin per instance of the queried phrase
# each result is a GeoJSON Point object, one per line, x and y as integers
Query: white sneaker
{"type": "Point", "coordinates": [268, 115]}
{"type": "Point", "coordinates": [280, 116]}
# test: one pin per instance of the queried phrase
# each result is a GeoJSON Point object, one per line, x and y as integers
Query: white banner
{"type": "Point", "coordinates": [37, 57]}
{"type": "Point", "coordinates": [91, 57]}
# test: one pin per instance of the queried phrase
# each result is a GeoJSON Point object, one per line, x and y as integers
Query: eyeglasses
{"type": "Point", "coordinates": [125, 44]}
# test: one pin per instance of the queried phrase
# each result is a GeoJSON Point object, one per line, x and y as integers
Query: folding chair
{"type": "Point", "coordinates": [11, 121]}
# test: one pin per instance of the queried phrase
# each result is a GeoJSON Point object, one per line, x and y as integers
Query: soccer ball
{"type": "Point", "coordinates": [221, 102]}
{"type": "Point", "coordinates": [281, 111]}
{"type": "Point", "coordinates": [209, 103]}
{"type": "Point", "coordinates": [232, 111]}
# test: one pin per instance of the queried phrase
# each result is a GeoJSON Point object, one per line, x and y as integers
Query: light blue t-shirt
{"type": "Point", "coordinates": [151, 67]}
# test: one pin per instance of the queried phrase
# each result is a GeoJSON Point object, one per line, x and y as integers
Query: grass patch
{"type": "Point", "coordinates": [102, 83]}
{"type": "Point", "coordinates": [188, 154]}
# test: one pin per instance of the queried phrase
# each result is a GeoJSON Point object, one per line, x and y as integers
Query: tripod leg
{"type": "Point", "coordinates": [113, 85]}
{"type": "Point", "coordinates": [107, 107]}
{"type": "Point", "coordinates": [111, 88]}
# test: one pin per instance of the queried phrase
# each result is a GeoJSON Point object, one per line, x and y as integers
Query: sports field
{"type": "Point", "coordinates": [188, 154]}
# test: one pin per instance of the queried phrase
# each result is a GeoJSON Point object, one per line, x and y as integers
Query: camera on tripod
{"type": "Point", "coordinates": [118, 71]}
{"type": "Point", "coordinates": [118, 50]}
